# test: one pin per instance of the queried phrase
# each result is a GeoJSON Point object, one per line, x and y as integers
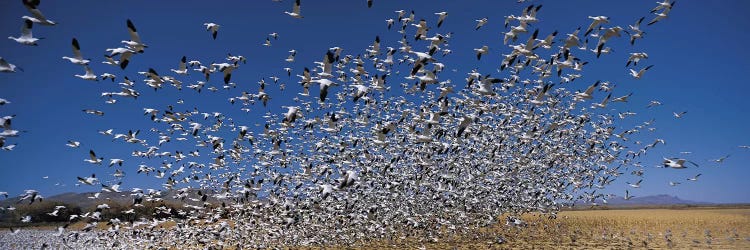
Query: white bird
{"type": "Point", "coordinates": [639, 74]}
{"type": "Point", "coordinates": [596, 21]}
{"type": "Point", "coordinates": [106, 76]}
{"type": "Point", "coordinates": [663, 5]}
{"type": "Point", "coordinates": [124, 53]}
{"type": "Point", "coordinates": [227, 69]}
{"type": "Point", "coordinates": [441, 17]}
{"type": "Point", "coordinates": [115, 188]}
{"type": "Point", "coordinates": [26, 37]}
{"type": "Point", "coordinates": [135, 43]}
{"type": "Point", "coordinates": [182, 70]}
{"type": "Point", "coordinates": [324, 85]}
{"type": "Point", "coordinates": [214, 28]}
{"type": "Point", "coordinates": [622, 98]}
{"type": "Point", "coordinates": [481, 51]}
{"type": "Point", "coordinates": [660, 16]}
{"type": "Point", "coordinates": [695, 178]}
{"type": "Point", "coordinates": [88, 180]}
{"type": "Point", "coordinates": [39, 18]}
{"type": "Point", "coordinates": [677, 163]}
{"type": "Point", "coordinates": [290, 58]}
{"type": "Point", "coordinates": [627, 195]}
{"type": "Point", "coordinates": [73, 144]}
{"type": "Point", "coordinates": [679, 115]}
{"type": "Point", "coordinates": [93, 112]}
{"type": "Point", "coordinates": [7, 67]}
{"type": "Point", "coordinates": [3, 101]}
{"type": "Point", "coordinates": [588, 94]}
{"type": "Point", "coordinates": [653, 104]}
{"type": "Point", "coordinates": [480, 23]}
{"type": "Point", "coordinates": [92, 158]}
{"type": "Point", "coordinates": [116, 161]}
{"type": "Point", "coordinates": [721, 160]}
{"type": "Point", "coordinates": [635, 185]}
{"type": "Point", "coordinates": [89, 75]}
{"type": "Point", "coordinates": [635, 58]}
{"type": "Point", "coordinates": [77, 59]}
{"type": "Point", "coordinates": [608, 33]}
{"type": "Point", "coordinates": [637, 32]}
{"type": "Point", "coordinates": [291, 114]}
{"type": "Point", "coordinates": [295, 10]}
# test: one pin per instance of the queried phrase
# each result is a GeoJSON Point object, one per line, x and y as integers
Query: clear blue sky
{"type": "Point", "coordinates": [699, 53]}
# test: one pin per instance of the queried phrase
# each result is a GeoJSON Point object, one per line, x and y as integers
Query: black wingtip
{"type": "Point", "coordinates": [131, 26]}
{"type": "Point", "coordinates": [124, 64]}
{"type": "Point", "coordinates": [75, 44]}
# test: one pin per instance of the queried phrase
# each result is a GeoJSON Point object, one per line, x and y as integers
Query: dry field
{"type": "Point", "coordinates": [651, 228]}
{"type": "Point", "coordinates": [693, 228]}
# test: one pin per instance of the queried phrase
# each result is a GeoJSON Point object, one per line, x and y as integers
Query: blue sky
{"type": "Point", "coordinates": [698, 51]}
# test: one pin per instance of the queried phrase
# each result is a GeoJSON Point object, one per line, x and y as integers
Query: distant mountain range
{"type": "Point", "coordinates": [651, 200]}
{"type": "Point", "coordinates": [86, 199]}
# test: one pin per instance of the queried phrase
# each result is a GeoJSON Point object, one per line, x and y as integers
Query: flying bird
{"type": "Point", "coordinates": [694, 178]}
{"type": "Point", "coordinates": [441, 17]}
{"type": "Point", "coordinates": [38, 17]}
{"type": "Point", "coordinates": [677, 163]}
{"type": "Point", "coordinates": [639, 74]}
{"type": "Point", "coordinates": [295, 10]}
{"type": "Point", "coordinates": [26, 38]}
{"type": "Point", "coordinates": [7, 67]}
{"type": "Point", "coordinates": [480, 23]}
{"type": "Point", "coordinates": [92, 158]}
{"type": "Point", "coordinates": [214, 28]}
{"type": "Point", "coordinates": [77, 58]}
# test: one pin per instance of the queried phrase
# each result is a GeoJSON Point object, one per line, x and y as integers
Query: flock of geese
{"type": "Point", "coordinates": [387, 148]}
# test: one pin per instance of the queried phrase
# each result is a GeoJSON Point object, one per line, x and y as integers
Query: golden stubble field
{"type": "Point", "coordinates": [643, 228]}
{"type": "Point", "coordinates": [684, 228]}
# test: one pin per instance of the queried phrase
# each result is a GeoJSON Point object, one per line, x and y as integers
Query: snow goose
{"type": "Point", "coordinates": [295, 10]}
{"type": "Point", "coordinates": [659, 16]}
{"type": "Point", "coordinates": [639, 74]}
{"type": "Point", "coordinates": [677, 163]}
{"type": "Point", "coordinates": [7, 67]}
{"type": "Point", "coordinates": [480, 23]}
{"type": "Point", "coordinates": [92, 158]}
{"type": "Point", "coordinates": [90, 76]}
{"type": "Point", "coordinates": [135, 43]}
{"type": "Point", "coordinates": [38, 17]}
{"type": "Point", "coordinates": [596, 21]}
{"type": "Point", "coordinates": [77, 59]}
{"type": "Point", "coordinates": [26, 38]}
{"type": "Point", "coordinates": [481, 51]}
{"type": "Point", "coordinates": [214, 28]}
{"type": "Point", "coordinates": [635, 58]}
{"type": "Point", "coordinates": [441, 17]}
{"type": "Point", "coordinates": [663, 5]}
{"type": "Point", "coordinates": [695, 178]}
{"type": "Point", "coordinates": [182, 70]}
{"type": "Point", "coordinates": [73, 144]}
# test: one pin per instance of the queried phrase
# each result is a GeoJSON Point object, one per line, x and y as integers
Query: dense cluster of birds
{"type": "Point", "coordinates": [386, 147]}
